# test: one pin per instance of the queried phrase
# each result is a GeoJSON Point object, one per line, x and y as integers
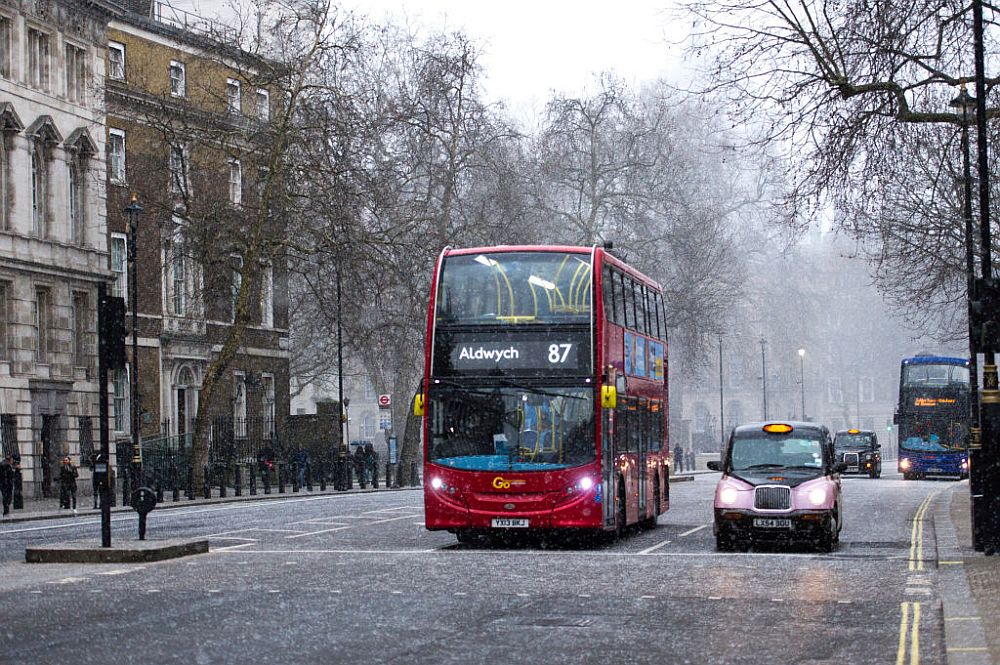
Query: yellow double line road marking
{"type": "Point", "coordinates": [917, 533]}
{"type": "Point", "coordinates": [909, 634]}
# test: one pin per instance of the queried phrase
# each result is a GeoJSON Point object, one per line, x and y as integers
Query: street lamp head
{"type": "Point", "coordinates": [802, 353]}
{"type": "Point", "coordinates": [964, 104]}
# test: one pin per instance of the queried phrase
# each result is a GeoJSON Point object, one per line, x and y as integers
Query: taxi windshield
{"type": "Point", "coordinates": [775, 451]}
{"type": "Point", "coordinates": [509, 288]}
{"type": "Point", "coordinates": [853, 441]}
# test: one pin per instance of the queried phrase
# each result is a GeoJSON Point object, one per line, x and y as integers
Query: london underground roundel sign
{"type": "Point", "coordinates": [384, 401]}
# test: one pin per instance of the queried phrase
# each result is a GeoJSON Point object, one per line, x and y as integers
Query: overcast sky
{"type": "Point", "coordinates": [534, 46]}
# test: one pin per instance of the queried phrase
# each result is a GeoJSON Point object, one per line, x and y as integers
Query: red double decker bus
{"type": "Point", "coordinates": [545, 393]}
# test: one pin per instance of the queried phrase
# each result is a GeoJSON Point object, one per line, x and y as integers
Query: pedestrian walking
{"type": "Point", "coordinates": [8, 472]}
{"type": "Point", "coordinates": [95, 488]}
{"type": "Point", "coordinates": [301, 462]}
{"type": "Point", "coordinates": [265, 462]}
{"type": "Point", "coordinates": [691, 460]}
{"type": "Point", "coordinates": [67, 484]}
{"type": "Point", "coordinates": [678, 459]}
{"type": "Point", "coordinates": [359, 466]}
{"type": "Point", "coordinates": [371, 463]}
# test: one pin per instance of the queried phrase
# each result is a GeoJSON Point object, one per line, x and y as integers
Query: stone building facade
{"type": "Point", "coordinates": [53, 246]}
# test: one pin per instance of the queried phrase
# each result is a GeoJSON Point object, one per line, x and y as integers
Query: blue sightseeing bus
{"type": "Point", "coordinates": [933, 416]}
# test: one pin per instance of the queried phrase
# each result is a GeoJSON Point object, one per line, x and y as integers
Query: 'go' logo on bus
{"type": "Point", "coordinates": [501, 484]}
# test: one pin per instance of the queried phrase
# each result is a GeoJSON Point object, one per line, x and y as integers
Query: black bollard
{"type": "Point", "coordinates": [159, 492]}
{"type": "Point", "coordinates": [238, 481]}
{"type": "Point", "coordinates": [388, 474]}
{"type": "Point", "coordinates": [295, 478]}
{"type": "Point", "coordinates": [309, 478]}
{"type": "Point", "coordinates": [281, 477]}
{"type": "Point", "coordinates": [207, 488]}
{"type": "Point", "coordinates": [18, 498]}
{"type": "Point", "coordinates": [374, 476]}
{"type": "Point", "coordinates": [222, 481]}
{"type": "Point", "coordinates": [189, 490]}
{"type": "Point", "coordinates": [414, 479]}
{"type": "Point", "coordinates": [322, 476]}
{"type": "Point", "coordinates": [252, 475]}
{"type": "Point", "coordinates": [267, 480]}
{"type": "Point", "coordinates": [176, 493]}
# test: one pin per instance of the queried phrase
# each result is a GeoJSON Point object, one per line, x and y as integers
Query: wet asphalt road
{"type": "Point", "coordinates": [357, 579]}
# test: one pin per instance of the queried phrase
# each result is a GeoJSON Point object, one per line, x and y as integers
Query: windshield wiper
{"type": "Point", "coordinates": [763, 466]}
{"type": "Point", "coordinates": [507, 383]}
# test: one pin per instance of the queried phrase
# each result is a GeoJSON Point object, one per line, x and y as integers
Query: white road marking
{"type": "Point", "coordinates": [694, 530]}
{"type": "Point", "coordinates": [646, 597]}
{"type": "Point", "coordinates": [654, 547]}
{"type": "Point", "coordinates": [316, 533]}
{"type": "Point", "coordinates": [394, 519]}
{"type": "Point", "coordinates": [232, 547]}
{"type": "Point", "coordinates": [121, 571]}
{"type": "Point", "coordinates": [152, 591]}
{"type": "Point", "coordinates": [69, 580]}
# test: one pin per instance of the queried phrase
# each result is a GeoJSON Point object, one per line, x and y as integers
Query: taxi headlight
{"type": "Point", "coordinates": [817, 496]}
{"type": "Point", "coordinates": [728, 495]}
{"type": "Point", "coordinates": [904, 464]}
{"type": "Point", "coordinates": [965, 464]}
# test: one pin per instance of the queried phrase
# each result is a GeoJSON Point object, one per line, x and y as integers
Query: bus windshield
{"type": "Point", "coordinates": [515, 288]}
{"type": "Point", "coordinates": [511, 428]}
{"type": "Point", "coordinates": [934, 435]}
{"type": "Point", "coordinates": [934, 375]}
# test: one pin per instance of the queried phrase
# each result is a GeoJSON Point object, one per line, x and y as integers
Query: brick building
{"type": "Point", "coordinates": [183, 111]}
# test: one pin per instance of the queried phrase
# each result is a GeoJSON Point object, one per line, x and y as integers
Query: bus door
{"type": "Point", "coordinates": [641, 422]}
{"type": "Point", "coordinates": [607, 466]}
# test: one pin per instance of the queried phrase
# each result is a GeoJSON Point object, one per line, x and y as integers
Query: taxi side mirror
{"type": "Point", "coordinates": [714, 465]}
{"type": "Point", "coordinates": [609, 397]}
{"type": "Point", "coordinates": [840, 467]}
{"type": "Point", "coordinates": [418, 405]}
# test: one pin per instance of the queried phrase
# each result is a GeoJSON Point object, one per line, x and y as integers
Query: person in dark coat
{"type": "Point", "coordinates": [691, 460]}
{"type": "Point", "coordinates": [371, 464]}
{"type": "Point", "coordinates": [67, 484]}
{"type": "Point", "coordinates": [8, 472]}
{"type": "Point", "coordinates": [359, 467]}
{"type": "Point", "coordinates": [678, 459]}
{"type": "Point", "coordinates": [301, 462]}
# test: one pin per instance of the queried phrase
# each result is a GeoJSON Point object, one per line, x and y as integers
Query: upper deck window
{"type": "Point", "coordinates": [515, 288]}
{"type": "Point", "coordinates": [935, 375]}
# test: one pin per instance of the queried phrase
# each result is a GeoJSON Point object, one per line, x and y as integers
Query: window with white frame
{"type": "Point", "coordinates": [263, 104]}
{"type": "Point", "coordinates": [267, 296]}
{"type": "Point", "coordinates": [120, 385]}
{"type": "Point", "coordinates": [178, 169]}
{"type": "Point", "coordinates": [119, 265]}
{"type": "Point", "coordinates": [6, 45]}
{"type": "Point", "coordinates": [76, 73]}
{"type": "Point", "coordinates": [834, 390]}
{"type": "Point", "coordinates": [116, 155]}
{"type": "Point", "coordinates": [178, 81]}
{"type": "Point", "coordinates": [239, 404]}
{"type": "Point", "coordinates": [267, 402]}
{"type": "Point", "coordinates": [233, 103]}
{"type": "Point", "coordinates": [39, 188]}
{"type": "Point", "coordinates": [4, 182]}
{"type": "Point", "coordinates": [237, 279]}
{"type": "Point", "coordinates": [43, 323]}
{"type": "Point", "coordinates": [78, 196]}
{"type": "Point", "coordinates": [178, 280]}
{"type": "Point", "coordinates": [235, 182]}
{"type": "Point", "coordinates": [116, 61]}
{"type": "Point", "coordinates": [38, 59]}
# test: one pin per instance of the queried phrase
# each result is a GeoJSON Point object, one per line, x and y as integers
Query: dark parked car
{"type": "Point", "coordinates": [859, 450]}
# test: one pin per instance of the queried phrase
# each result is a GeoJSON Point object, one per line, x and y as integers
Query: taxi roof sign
{"type": "Point", "coordinates": [777, 428]}
{"type": "Point", "coordinates": [853, 431]}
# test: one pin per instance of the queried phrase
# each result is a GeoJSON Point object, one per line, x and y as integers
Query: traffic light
{"type": "Point", "coordinates": [984, 315]}
{"type": "Point", "coordinates": [111, 337]}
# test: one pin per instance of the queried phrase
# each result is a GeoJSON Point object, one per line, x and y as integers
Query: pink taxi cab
{"type": "Point", "coordinates": [780, 482]}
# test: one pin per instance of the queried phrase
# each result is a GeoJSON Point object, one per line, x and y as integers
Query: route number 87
{"type": "Point", "coordinates": [559, 352]}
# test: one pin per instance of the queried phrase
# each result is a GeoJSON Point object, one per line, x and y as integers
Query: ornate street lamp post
{"type": "Point", "coordinates": [133, 210]}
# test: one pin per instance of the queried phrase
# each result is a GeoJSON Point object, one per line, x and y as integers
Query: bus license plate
{"type": "Point", "coordinates": [508, 523]}
{"type": "Point", "coordinates": [934, 469]}
{"type": "Point", "coordinates": [771, 523]}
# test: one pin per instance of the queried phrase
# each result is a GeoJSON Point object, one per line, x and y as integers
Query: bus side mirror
{"type": "Point", "coordinates": [609, 397]}
{"type": "Point", "coordinates": [418, 405]}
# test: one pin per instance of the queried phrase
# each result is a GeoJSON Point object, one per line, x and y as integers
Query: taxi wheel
{"type": "Point", "coordinates": [724, 543]}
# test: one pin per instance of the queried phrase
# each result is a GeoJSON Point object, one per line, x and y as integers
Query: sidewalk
{"type": "Point", "coordinates": [969, 583]}
{"type": "Point", "coordinates": [40, 509]}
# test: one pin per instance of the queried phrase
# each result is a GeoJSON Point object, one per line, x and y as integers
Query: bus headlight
{"type": "Point", "coordinates": [585, 483]}
{"type": "Point", "coordinates": [904, 464]}
{"type": "Point", "coordinates": [965, 464]}
{"type": "Point", "coordinates": [817, 496]}
{"type": "Point", "coordinates": [728, 495]}
{"type": "Point", "coordinates": [437, 483]}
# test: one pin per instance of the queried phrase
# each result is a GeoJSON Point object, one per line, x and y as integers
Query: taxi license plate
{"type": "Point", "coordinates": [771, 523]}
{"type": "Point", "coordinates": [508, 523]}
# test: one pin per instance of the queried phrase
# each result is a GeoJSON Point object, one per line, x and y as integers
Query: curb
{"type": "Point", "coordinates": [143, 551]}
{"type": "Point", "coordinates": [186, 503]}
{"type": "Point", "coordinates": [964, 638]}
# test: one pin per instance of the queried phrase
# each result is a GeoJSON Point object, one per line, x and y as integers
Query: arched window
{"type": "Point", "coordinates": [37, 190]}
{"type": "Point", "coordinates": [80, 148]}
{"type": "Point", "coordinates": [10, 125]}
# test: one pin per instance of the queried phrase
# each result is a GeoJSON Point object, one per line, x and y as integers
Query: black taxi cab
{"type": "Point", "coordinates": [859, 450]}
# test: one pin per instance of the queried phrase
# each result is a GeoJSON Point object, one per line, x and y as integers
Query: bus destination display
{"type": "Point", "coordinates": [474, 354]}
